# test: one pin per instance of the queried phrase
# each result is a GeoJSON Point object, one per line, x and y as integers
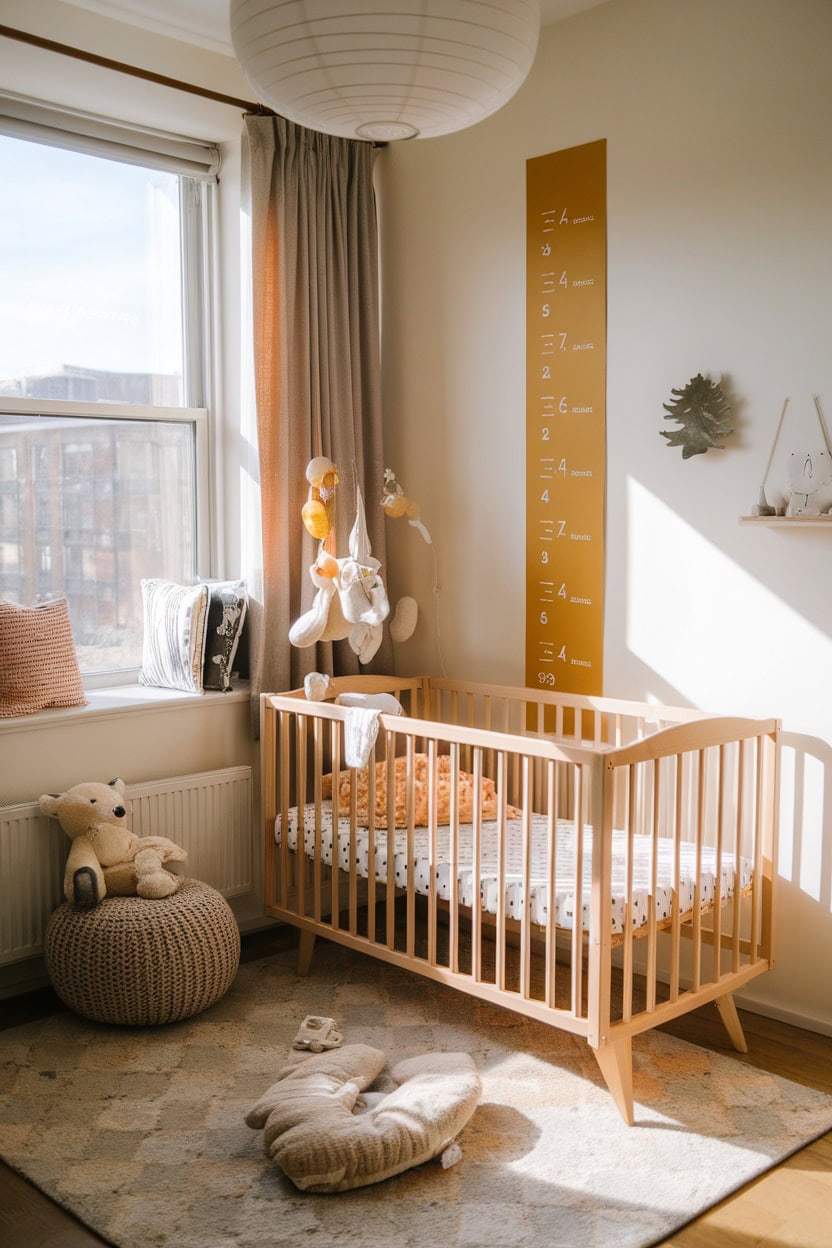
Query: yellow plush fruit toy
{"type": "Point", "coordinates": [318, 513]}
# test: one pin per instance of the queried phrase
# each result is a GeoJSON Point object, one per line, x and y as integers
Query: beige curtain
{"type": "Point", "coordinates": [317, 376]}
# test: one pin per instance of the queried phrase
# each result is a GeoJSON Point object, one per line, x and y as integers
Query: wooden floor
{"type": "Point", "coordinates": [789, 1207]}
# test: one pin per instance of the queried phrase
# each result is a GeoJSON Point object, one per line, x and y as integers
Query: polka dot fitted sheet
{"type": "Point", "coordinates": [540, 908]}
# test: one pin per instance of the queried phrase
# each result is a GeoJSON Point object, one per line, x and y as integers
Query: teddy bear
{"type": "Point", "coordinates": [104, 856]}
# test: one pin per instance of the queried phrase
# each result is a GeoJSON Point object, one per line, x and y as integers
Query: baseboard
{"type": "Point", "coordinates": [27, 975]}
{"type": "Point", "coordinates": [764, 1008]}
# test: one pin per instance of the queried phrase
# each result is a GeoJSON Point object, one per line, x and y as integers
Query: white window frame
{"type": "Point", "coordinates": [197, 163]}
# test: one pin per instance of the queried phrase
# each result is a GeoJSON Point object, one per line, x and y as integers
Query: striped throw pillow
{"type": "Point", "coordinates": [173, 649]}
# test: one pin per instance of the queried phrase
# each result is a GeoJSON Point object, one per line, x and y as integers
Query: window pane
{"type": "Point", "coordinates": [91, 301]}
{"type": "Point", "coordinates": [87, 508]}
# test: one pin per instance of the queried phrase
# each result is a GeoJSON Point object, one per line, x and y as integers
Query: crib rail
{"type": "Point", "coordinates": [598, 865]}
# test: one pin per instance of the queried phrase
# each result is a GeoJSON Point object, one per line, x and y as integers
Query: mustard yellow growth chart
{"type": "Point", "coordinates": [566, 314]}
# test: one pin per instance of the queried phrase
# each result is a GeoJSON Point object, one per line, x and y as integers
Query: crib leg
{"type": "Point", "coordinates": [731, 1019]}
{"type": "Point", "coordinates": [307, 944]}
{"type": "Point", "coordinates": [616, 1062]}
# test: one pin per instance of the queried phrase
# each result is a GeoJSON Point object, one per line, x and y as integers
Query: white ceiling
{"type": "Point", "coordinates": [205, 22]}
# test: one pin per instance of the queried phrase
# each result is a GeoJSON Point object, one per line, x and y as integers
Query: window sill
{"type": "Point", "coordinates": [124, 700]}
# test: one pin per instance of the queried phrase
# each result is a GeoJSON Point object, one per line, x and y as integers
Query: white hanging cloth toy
{"type": "Point", "coordinates": [351, 601]}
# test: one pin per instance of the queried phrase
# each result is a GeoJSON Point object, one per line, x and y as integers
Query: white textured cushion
{"type": "Point", "coordinates": [175, 620]}
{"type": "Point", "coordinates": [312, 1131]}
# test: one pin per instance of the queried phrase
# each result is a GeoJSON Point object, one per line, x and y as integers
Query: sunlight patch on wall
{"type": "Point", "coordinates": [708, 627]}
{"type": "Point", "coordinates": [730, 645]}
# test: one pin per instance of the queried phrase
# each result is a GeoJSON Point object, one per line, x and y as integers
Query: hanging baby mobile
{"type": "Point", "coordinates": [351, 601]}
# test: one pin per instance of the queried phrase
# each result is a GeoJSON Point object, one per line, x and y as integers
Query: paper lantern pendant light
{"type": "Point", "coordinates": [385, 69]}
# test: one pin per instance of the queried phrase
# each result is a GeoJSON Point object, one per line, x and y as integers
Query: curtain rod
{"type": "Point", "coordinates": [63, 49]}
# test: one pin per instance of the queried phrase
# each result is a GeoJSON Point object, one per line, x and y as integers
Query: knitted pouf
{"type": "Point", "coordinates": [139, 962]}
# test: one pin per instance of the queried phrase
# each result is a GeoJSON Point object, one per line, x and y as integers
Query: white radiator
{"type": "Point", "coordinates": [208, 814]}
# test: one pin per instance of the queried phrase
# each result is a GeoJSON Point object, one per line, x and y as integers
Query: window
{"type": "Point", "coordinates": [103, 423]}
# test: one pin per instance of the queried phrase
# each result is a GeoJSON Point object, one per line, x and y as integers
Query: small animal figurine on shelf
{"type": "Point", "coordinates": [807, 487]}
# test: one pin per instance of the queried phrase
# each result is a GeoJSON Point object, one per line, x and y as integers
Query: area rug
{"type": "Point", "coordinates": [139, 1132]}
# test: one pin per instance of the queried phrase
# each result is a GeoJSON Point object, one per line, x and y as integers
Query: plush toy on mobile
{"type": "Point", "coordinates": [319, 509]}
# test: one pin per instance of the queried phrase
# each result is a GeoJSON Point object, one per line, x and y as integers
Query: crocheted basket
{"type": "Point", "coordinates": [141, 962]}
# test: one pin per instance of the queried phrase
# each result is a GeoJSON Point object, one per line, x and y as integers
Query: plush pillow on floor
{"type": "Point", "coordinates": [175, 620]}
{"type": "Point", "coordinates": [38, 664]}
{"type": "Point", "coordinates": [227, 606]}
{"type": "Point", "coordinates": [314, 1134]}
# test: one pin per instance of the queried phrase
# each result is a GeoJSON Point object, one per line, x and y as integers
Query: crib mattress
{"type": "Point", "coordinates": [565, 879]}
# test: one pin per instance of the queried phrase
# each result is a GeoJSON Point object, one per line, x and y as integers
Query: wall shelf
{"type": "Point", "coordinates": [782, 522]}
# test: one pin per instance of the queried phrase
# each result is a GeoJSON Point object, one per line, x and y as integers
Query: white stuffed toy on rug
{"type": "Point", "coordinates": [328, 1132]}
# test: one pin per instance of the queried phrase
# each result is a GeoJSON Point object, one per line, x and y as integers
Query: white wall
{"type": "Point", "coordinates": [718, 121]}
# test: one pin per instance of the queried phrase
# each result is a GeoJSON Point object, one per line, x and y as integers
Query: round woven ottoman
{"type": "Point", "coordinates": [139, 962]}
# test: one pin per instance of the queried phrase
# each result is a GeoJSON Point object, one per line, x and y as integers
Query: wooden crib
{"type": "Point", "coordinates": [616, 874]}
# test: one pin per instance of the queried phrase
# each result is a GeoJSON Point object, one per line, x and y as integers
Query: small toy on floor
{"type": "Point", "coordinates": [318, 1034]}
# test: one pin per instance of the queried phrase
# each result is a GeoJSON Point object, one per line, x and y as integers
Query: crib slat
{"type": "Point", "coordinates": [552, 801]}
{"type": "Point", "coordinates": [270, 797]}
{"type": "Point", "coordinates": [771, 761]}
{"type": "Point", "coordinates": [654, 887]}
{"type": "Point", "coordinates": [335, 892]}
{"type": "Point", "coordinates": [390, 895]}
{"type": "Point", "coordinates": [697, 884]}
{"type": "Point", "coordinates": [286, 726]}
{"type": "Point", "coordinates": [738, 830]}
{"type": "Point", "coordinates": [675, 924]}
{"type": "Point", "coordinates": [353, 849]}
{"type": "Point", "coordinates": [411, 888]}
{"type": "Point", "coordinates": [469, 720]}
{"type": "Point", "coordinates": [453, 861]}
{"type": "Point", "coordinates": [501, 871]}
{"type": "Point", "coordinates": [578, 916]}
{"type": "Point", "coordinates": [300, 788]}
{"type": "Point", "coordinates": [627, 973]}
{"type": "Point", "coordinates": [525, 934]}
{"type": "Point", "coordinates": [371, 846]}
{"type": "Point", "coordinates": [603, 784]}
{"type": "Point", "coordinates": [756, 857]}
{"type": "Point", "coordinates": [718, 900]}
{"type": "Point", "coordinates": [476, 871]}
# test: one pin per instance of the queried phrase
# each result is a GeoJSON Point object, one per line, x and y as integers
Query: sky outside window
{"type": "Point", "coordinates": [90, 257]}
